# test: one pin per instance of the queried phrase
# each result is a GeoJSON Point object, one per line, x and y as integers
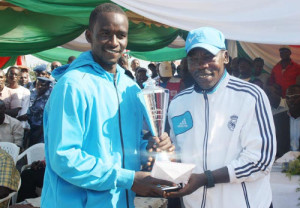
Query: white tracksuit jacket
{"type": "Point", "coordinates": [231, 125]}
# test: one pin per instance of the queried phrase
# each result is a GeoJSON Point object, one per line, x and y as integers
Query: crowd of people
{"type": "Point", "coordinates": [217, 104]}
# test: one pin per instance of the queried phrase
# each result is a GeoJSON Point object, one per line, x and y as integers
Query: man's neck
{"type": "Point", "coordinates": [245, 76]}
{"type": "Point", "coordinates": [285, 62]}
{"type": "Point", "coordinates": [1, 88]}
{"type": "Point", "coordinates": [14, 85]}
{"type": "Point", "coordinates": [111, 68]}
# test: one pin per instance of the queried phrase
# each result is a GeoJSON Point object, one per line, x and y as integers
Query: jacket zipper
{"type": "Point", "coordinates": [121, 135]}
{"type": "Point", "coordinates": [205, 143]}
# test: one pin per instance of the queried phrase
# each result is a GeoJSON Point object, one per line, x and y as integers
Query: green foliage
{"type": "Point", "coordinates": [293, 167]}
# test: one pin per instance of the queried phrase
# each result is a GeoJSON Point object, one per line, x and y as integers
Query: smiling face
{"type": "Point", "coordinates": [206, 68]}
{"type": "Point", "coordinates": [13, 75]}
{"type": "Point", "coordinates": [108, 39]}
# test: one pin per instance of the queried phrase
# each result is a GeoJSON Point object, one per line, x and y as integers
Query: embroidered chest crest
{"type": "Point", "coordinates": [232, 122]}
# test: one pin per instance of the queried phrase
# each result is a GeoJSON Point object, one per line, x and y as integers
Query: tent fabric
{"type": "Point", "coordinates": [77, 9]}
{"type": "Point", "coordinates": [257, 21]}
{"type": "Point", "coordinates": [57, 54]}
{"type": "Point", "coordinates": [46, 24]}
{"type": "Point", "coordinates": [270, 53]}
{"type": "Point", "coordinates": [29, 32]}
{"type": "Point", "coordinates": [10, 61]}
{"type": "Point", "coordinates": [164, 54]}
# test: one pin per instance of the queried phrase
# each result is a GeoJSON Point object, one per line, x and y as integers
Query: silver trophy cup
{"type": "Point", "coordinates": [155, 100]}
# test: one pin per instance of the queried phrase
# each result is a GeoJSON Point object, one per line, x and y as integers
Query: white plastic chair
{"type": "Point", "coordinates": [34, 153]}
{"type": "Point", "coordinates": [11, 148]}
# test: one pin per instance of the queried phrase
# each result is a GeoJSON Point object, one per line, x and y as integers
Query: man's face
{"type": "Point", "coordinates": [24, 78]}
{"type": "Point", "coordinates": [41, 74]}
{"type": "Point", "coordinates": [206, 68]}
{"type": "Point", "coordinates": [55, 64]}
{"type": "Point", "coordinates": [2, 79]}
{"type": "Point", "coordinates": [293, 99]}
{"type": "Point", "coordinates": [245, 69]}
{"type": "Point", "coordinates": [141, 77]}
{"type": "Point", "coordinates": [108, 38]}
{"type": "Point", "coordinates": [135, 64]}
{"type": "Point", "coordinates": [14, 75]}
{"type": "Point", "coordinates": [285, 53]}
{"type": "Point", "coordinates": [41, 87]}
{"type": "Point", "coordinates": [258, 67]}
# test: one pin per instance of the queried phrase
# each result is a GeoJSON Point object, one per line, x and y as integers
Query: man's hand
{"type": "Point", "coordinates": [162, 143]}
{"type": "Point", "coordinates": [145, 185]}
{"type": "Point", "coordinates": [22, 117]}
{"type": "Point", "coordinates": [155, 144]}
{"type": "Point", "coordinates": [196, 181]}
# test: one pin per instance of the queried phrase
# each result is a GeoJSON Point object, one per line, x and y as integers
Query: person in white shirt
{"type": "Point", "coordinates": [13, 76]}
{"type": "Point", "coordinates": [225, 127]}
{"type": "Point", "coordinates": [11, 129]}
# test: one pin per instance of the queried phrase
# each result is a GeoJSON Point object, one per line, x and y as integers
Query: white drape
{"type": "Point", "coordinates": [257, 21]}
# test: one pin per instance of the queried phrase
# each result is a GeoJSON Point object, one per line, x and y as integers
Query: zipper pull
{"type": "Point", "coordinates": [204, 94]}
{"type": "Point", "coordinates": [115, 79]}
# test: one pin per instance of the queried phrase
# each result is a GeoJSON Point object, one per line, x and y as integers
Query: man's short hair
{"type": "Point", "coordinates": [246, 60]}
{"type": "Point", "coordinates": [122, 59]}
{"type": "Point", "coordinates": [11, 68]}
{"type": "Point", "coordinates": [259, 60]}
{"type": "Point", "coordinates": [103, 8]}
{"type": "Point", "coordinates": [71, 58]}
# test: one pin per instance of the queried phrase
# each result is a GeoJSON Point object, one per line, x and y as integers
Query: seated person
{"type": "Point", "coordinates": [31, 179]}
{"type": "Point", "coordinates": [9, 176]}
{"type": "Point", "coordinates": [287, 123]}
{"type": "Point", "coordinates": [11, 129]}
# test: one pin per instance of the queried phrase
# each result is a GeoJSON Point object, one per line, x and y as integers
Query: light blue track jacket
{"type": "Point", "coordinates": [83, 123]}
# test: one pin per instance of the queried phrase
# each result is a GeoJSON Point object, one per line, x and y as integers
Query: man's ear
{"type": "Point", "coordinates": [226, 57]}
{"type": "Point", "coordinates": [88, 35]}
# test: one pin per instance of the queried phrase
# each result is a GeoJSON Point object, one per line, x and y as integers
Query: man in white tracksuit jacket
{"type": "Point", "coordinates": [225, 126]}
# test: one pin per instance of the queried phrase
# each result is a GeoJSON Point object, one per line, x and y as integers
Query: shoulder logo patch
{"type": "Point", "coordinates": [232, 122]}
{"type": "Point", "coordinates": [182, 123]}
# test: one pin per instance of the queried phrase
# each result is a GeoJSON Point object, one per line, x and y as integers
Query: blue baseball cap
{"type": "Point", "coordinates": [208, 38]}
{"type": "Point", "coordinates": [44, 79]}
{"type": "Point", "coordinates": [40, 68]}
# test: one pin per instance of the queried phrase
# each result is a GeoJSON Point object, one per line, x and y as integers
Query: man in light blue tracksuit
{"type": "Point", "coordinates": [93, 123]}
